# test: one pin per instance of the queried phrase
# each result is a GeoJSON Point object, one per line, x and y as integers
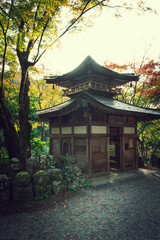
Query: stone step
{"type": "Point", "coordinates": [112, 177]}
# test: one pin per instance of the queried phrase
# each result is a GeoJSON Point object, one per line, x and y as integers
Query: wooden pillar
{"type": "Point", "coordinates": [89, 145]}
{"type": "Point", "coordinates": [108, 155]}
{"type": "Point", "coordinates": [122, 152]}
{"type": "Point", "coordinates": [50, 140]}
{"type": "Point", "coordinates": [87, 155]}
{"type": "Point", "coordinates": [72, 145]}
{"type": "Point", "coordinates": [72, 141]}
{"type": "Point", "coordinates": [90, 156]}
{"type": "Point", "coordinates": [136, 152]}
{"type": "Point", "coordinates": [50, 145]}
{"type": "Point", "coordinates": [59, 137]}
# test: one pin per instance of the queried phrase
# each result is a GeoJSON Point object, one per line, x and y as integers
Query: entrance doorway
{"type": "Point", "coordinates": [114, 148]}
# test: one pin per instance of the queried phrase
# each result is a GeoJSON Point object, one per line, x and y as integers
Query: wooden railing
{"type": "Point", "coordinates": [91, 85]}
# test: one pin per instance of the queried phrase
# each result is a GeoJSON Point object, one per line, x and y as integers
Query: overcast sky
{"type": "Point", "coordinates": [120, 40]}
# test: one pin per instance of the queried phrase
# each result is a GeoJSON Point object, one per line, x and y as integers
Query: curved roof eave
{"type": "Point", "coordinates": [90, 65]}
{"type": "Point", "coordinates": [56, 108]}
{"type": "Point", "coordinates": [104, 103]}
{"type": "Point", "coordinates": [118, 105]}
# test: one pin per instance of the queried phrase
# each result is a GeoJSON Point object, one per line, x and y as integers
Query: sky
{"type": "Point", "coordinates": [120, 40]}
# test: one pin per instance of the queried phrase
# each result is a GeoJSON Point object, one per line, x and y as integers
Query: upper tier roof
{"type": "Point", "coordinates": [90, 70]}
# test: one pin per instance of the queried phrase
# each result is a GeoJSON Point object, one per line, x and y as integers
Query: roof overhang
{"type": "Point", "coordinates": [90, 70]}
{"type": "Point", "coordinates": [102, 103]}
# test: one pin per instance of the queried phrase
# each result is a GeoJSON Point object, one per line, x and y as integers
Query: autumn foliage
{"type": "Point", "coordinates": [144, 93]}
{"type": "Point", "coordinates": [151, 71]}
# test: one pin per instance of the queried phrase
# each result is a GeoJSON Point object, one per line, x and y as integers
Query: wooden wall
{"type": "Point", "coordinates": [89, 140]}
{"type": "Point", "coordinates": [80, 152]}
{"type": "Point", "coordinates": [130, 153]}
{"type": "Point", "coordinates": [98, 153]}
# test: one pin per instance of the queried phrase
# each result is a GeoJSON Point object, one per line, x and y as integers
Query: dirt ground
{"type": "Point", "coordinates": [126, 209]}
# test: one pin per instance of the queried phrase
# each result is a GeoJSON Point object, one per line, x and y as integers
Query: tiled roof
{"type": "Point", "coordinates": [90, 70]}
{"type": "Point", "coordinates": [108, 104]}
{"type": "Point", "coordinates": [56, 108]}
{"type": "Point", "coordinates": [118, 105]}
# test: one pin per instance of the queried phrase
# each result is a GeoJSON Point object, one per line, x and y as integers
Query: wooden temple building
{"type": "Point", "coordinates": [98, 129]}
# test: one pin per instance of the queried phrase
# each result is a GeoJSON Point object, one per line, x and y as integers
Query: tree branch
{"type": "Point", "coordinates": [35, 17]}
{"type": "Point", "coordinates": [66, 30]}
{"type": "Point", "coordinates": [5, 48]}
{"type": "Point", "coordinates": [40, 41]}
{"type": "Point", "coordinates": [83, 11]}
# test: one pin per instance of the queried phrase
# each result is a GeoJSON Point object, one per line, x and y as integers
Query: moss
{"type": "Point", "coordinates": [55, 174]}
{"type": "Point", "coordinates": [22, 178]}
{"type": "Point", "coordinates": [41, 178]}
{"type": "Point", "coordinates": [41, 192]}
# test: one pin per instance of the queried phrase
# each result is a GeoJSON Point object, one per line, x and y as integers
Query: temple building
{"type": "Point", "coordinates": [99, 130]}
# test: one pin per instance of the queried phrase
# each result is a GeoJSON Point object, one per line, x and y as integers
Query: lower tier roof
{"type": "Point", "coordinates": [109, 105]}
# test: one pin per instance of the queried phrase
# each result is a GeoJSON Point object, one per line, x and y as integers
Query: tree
{"type": "Point", "coordinates": [9, 131]}
{"type": "Point", "coordinates": [145, 93]}
{"type": "Point", "coordinates": [150, 87]}
{"type": "Point", "coordinates": [31, 27]}
{"type": "Point", "coordinates": [43, 95]}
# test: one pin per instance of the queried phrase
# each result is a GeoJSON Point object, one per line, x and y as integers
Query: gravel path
{"type": "Point", "coordinates": [127, 209]}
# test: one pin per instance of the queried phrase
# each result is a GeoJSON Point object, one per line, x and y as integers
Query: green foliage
{"type": "Point", "coordinates": [149, 135]}
{"type": "Point", "coordinates": [75, 189]}
{"type": "Point", "coordinates": [47, 162]}
{"type": "Point", "coordinates": [33, 109]}
{"type": "Point", "coordinates": [86, 184]}
{"type": "Point", "coordinates": [72, 189]}
{"type": "Point", "coordinates": [4, 158]}
{"type": "Point", "coordinates": [64, 160]}
{"type": "Point", "coordinates": [27, 30]}
{"type": "Point", "coordinates": [4, 155]}
{"type": "Point", "coordinates": [144, 93]}
{"type": "Point", "coordinates": [61, 161]}
{"type": "Point", "coordinates": [44, 196]}
{"type": "Point", "coordinates": [43, 95]}
{"type": "Point", "coordinates": [38, 147]}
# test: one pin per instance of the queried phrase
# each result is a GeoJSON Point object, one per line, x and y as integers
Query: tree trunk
{"type": "Point", "coordinates": [25, 126]}
{"type": "Point", "coordinates": [9, 131]}
{"type": "Point", "coordinates": [141, 148]}
{"type": "Point", "coordinates": [19, 148]}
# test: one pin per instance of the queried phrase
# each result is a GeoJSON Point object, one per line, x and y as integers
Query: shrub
{"type": "Point", "coordinates": [47, 162]}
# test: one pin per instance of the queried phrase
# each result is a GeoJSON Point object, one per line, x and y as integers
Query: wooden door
{"type": "Point", "coordinates": [114, 147]}
{"type": "Point", "coordinates": [99, 161]}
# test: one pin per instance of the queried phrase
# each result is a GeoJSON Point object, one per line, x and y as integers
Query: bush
{"type": "Point", "coordinates": [4, 161]}
{"type": "Point", "coordinates": [38, 147]}
{"type": "Point", "coordinates": [64, 160]}
{"type": "Point", "coordinates": [47, 162]}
